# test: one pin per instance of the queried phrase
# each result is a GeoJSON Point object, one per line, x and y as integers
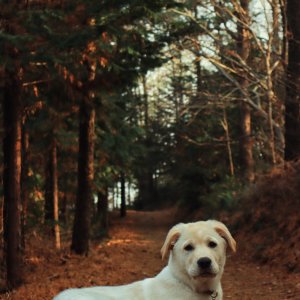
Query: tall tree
{"type": "Point", "coordinates": [24, 180]}
{"type": "Point", "coordinates": [51, 192]}
{"type": "Point", "coordinates": [292, 104]}
{"type": "Point", "coordinates": [83, 210]}
{"type": "Point", "coordinates": [49, 185]}
{"type": "Point", "coordinates": [146, 184]}
{"type": "Point", "coordinates": [12, 174]}
{"type": "Point", "coordinates": [243, 49]}
{"type": "Point", "coordinates": [123, 195]}
{"type": "Point", "coordinates": [102, 208]}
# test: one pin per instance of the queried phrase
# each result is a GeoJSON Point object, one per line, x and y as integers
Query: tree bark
{"type": "Point", "coordinates": [292, 105]}
{"type": "Point", "coordinates": [146, 104]}
{"type": "Point", "coordinates": [24, 183]}
{"type": "Point", "coordinates": [198, 76]}
{"type": "Point", "coordinates": [123, 196]}
{"type": "Point", "coordinates": [11, 178]}
{"type": "Point", "coordinates": [284, 52]}
{"type": "Point", "coordinates": [243, 48]}
{"type": "Point", "coordinates": [49, 200]}
{"type": "Point", "coordinates": [146, 187]}
{"type": "Point", "coordinates": [81, 228]}
{"type": "Point", "coordinates": [55, 194]}
{"type": "Point", "coordinates": [228, 141]}
{"type": "Point", "coordinates": [48, 207]}
{"type": "Point", "coordinates": [275, 93]}
{"type": "Point", "coordinates": [102, 208]}
{"type": "Point", "coordinates": [51, 193]}
{"type": "Point", "coordinates": [64, 204]}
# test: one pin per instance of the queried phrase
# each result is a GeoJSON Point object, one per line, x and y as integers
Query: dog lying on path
{"type": "Point", "coordinates": [197, 254]}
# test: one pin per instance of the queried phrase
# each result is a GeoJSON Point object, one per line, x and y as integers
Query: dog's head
{"type": "Point", "coordinates": [198, 249]}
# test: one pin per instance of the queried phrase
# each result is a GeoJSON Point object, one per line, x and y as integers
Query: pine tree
{"type": "Point", "coordinates": [292, 116]}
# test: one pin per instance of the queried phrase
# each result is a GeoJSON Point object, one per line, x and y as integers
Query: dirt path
{"type": "Point", "coordinates": [132, 253]}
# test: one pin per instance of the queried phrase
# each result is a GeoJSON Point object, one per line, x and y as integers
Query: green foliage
{"type": "Point", "coordinates": [222, 196]}
{"type": "Point", "coordinates": [35, 217]}
{"type": "Point", "coordinates": [181, 153]}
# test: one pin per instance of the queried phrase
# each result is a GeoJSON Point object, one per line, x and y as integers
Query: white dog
{"type": "Point", "coordinates": [197, 254]}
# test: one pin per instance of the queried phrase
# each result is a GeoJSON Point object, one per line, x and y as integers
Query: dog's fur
{"type": "Point", "coordinates": [197, 253]}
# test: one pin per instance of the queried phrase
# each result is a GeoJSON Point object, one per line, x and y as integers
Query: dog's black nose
{"type": "Point", "coordinates": [204, 263]}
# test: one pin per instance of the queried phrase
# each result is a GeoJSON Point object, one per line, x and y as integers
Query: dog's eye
{"type": "Point", "coordinates": [189, 247]}
{"type": "Point", "coordinates": [212, 245]}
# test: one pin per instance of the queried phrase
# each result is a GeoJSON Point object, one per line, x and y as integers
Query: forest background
{"type": "Point", "coordinates": [141, 104]}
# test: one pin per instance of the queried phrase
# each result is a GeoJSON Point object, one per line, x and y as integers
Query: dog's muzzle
{"type": "Point", "coordinates": [204, 263]}
{"type": "Point", "coordinates": [205, 267]}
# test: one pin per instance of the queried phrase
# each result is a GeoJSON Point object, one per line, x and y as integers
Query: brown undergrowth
{"type": "Point", "coordinates": [269, 216]}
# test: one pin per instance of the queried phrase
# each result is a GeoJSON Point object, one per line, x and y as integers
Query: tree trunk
{"type": "Point", "coordinates": [275, 93]}
{"type": "Point", "coordinates": [292, 105]}
{"type": "Point", "coordinates": [128, 193]}
{"type": "Point", "coordinates": [144, 177]}
{"type": "Point", "coordinates": [81, 228]}
{"type": "Point", "coordinates": [114, 198]}
{"type": "Point", "coordinates": [198, 76]}
{"type": "Point", "coordinates": [175, 98]}
{"type": "Point", "coordinates": [49, 200]}
{"type": "Point", "coordinates": [48, 207]}
{"type": "Point", "coordinates": [51, 193]}
{"type": "Point", "coordinates": [243, 48]}
{"type": "Point", "coordinates": [228, 141]}
{"type": "Point", "coordinates": [55, 194]}
{"type": "Point", "coordinates": [24, 182]}
{"type": "Point", "coordinates": [64, 214]}
{"type": "Point", "coordinates": [284, 52]}
{"type": "Point", "coordinates": [146, 105]}
{"type": "Point", "coordinates": [102, 208]}
{"type": "Point", "coordinates": [11, 178]}
{"type": "Point", "coordinates": [271, 97]}
{"type": "Point", "coordinates": [123, 196]}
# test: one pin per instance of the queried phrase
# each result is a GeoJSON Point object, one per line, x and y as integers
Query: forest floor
{"type": "Point", "coordinates": [132, 252]}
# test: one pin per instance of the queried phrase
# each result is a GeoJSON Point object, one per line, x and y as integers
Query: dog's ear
{"type": "Point", "coordinates": [172, 236]}
{"type": "Point", "coordinates": [223, 231]}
